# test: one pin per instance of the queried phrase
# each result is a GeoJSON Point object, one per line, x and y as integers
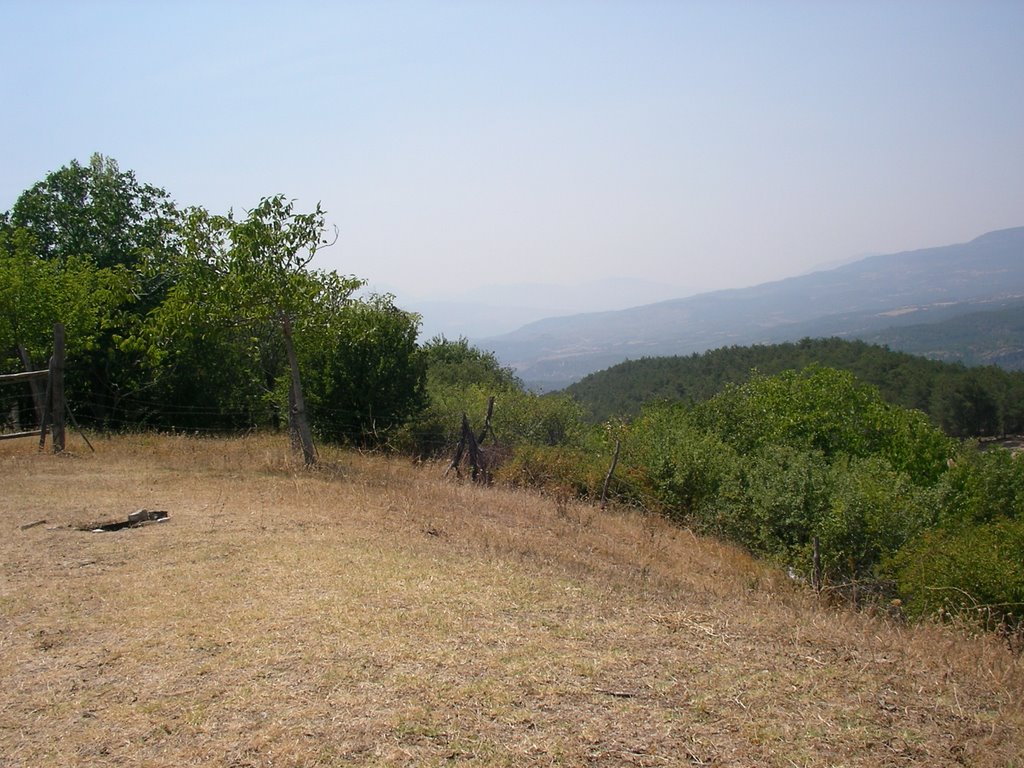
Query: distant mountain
{"type": "Point", "coordinates": [990, 337]}
{"type": "Point", "coordinates": [498, 309]}
{"type": "Point", "coordinates": [852, 301]}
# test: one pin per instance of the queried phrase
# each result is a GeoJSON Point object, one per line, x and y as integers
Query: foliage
{"type": "Point", "coordinates": [872, 512]}
{"type": "Point", "coordinates": [973, 571]}
{"type": "Point", "coordinates": [103, 217]}
{"type": "Point", "coordinates": [565, 471]}
{"type": "Point", "coordinates": [96, 212]}
{"type": "Point", "coordinates": [458, 364]}
{"type": "Point", "coordinates": [825, 410]}
{"type": "Point", "coordinates": [35, 294]}
{"type": "Point", "coordinates": [460, 378]}
{"type": "Point", "coordinates": [783, 459]}
{"type": "Point", "coordinates": [971, 563]}
{"type": "Point", "coordinates": [964, 401]}
{"type": "Point", "coordinates": [773, 502]}
{"type": "Point", "coordinates": [673, 465]}
{"type": "Point", "coordinates": [184, 319]}
{"type": "Point", "coordinates": [365, 373]}
{"type": "Point", "coordinates": [981, 486]}
{"type": "Point", "coordinates": [965, 405]}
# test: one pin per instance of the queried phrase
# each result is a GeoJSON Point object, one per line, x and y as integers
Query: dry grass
{"type": "Point", "coordinates": [370, 613]}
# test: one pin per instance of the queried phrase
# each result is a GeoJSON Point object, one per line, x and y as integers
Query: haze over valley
{"type": "Point", "coordinates": [868, 299]}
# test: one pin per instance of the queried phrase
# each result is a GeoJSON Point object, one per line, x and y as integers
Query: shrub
{"type": "Point", "coordinates": [674, 466]}
{"type": "Point", "coordinates": [559, 470]}
{"type": "Point", "coordinates": [872, 512]}
{"type": "Point", "coordinates": [973, 571]}
{"type": "Point", "coordinates": [773, 501]}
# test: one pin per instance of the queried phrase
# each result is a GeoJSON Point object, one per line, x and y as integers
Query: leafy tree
{"type": "Point", "coordinates": [251, 274]}
{"type": "Point", "coordinates": [459, 364]}
{"type": "Point", "coordinates": [963, 406]}
{"type": "Point", "coordinates": [98, 212]}
{"type": "Point", "coordinates": [826, 410]}
{"type": "Point", "coordinates": [98, 215]}
{"type": "Point", "coordinates": [366, 371]}
{"type": "Point", "coordinates": [35, 294]}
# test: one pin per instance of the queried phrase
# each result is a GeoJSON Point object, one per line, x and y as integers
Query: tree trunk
{"type": "Point", "coordinates": [57, 374]}
{"type": "Point", "coordinates": [299, 418]}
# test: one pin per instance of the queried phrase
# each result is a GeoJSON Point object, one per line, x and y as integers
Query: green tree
{"type": "Point", "coordinates": [251, 274]}
{"type": "Point", "coordinates": [35, 294]}
{"type": "Point", "coordinates": [367, 375]}
{"type": "Point", "coordinates": [98, 212]}
{"type": "Point", "coordinates": [964, 406]}
{"type": "Point", "coordinates": [825, 410]}
{"type": "Point", "coordinates": [98, 215]}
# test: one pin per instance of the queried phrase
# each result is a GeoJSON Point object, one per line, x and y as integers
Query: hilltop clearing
{"type": "Point", "coordinates": [371, 613]}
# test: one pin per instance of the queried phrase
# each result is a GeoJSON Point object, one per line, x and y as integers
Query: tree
{"type": "Point", "coordinates": [366, 371]}
{"type": "Point", "coordinates": [252, 273]}
{"type": "Point", "coordinates": [35, 294]}
{"type": "Point", "coordinates": [96, 214]}
{"type": "Point", "coordinates": [96, 211]}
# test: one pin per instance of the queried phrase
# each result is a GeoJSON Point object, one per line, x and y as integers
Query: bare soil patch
{"type": "Point", "coordinates": [371, 613]}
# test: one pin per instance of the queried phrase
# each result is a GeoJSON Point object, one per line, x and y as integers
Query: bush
{"type": "Point", "coordinates": [981, 486]}
{"type": "Point", "coordinates": [973, 571]}
{"type": "Point", "coordinates": [827, 411]}
{"type": "Point", "coordinates": [673, 466]}
{"type": "Point", "coordinates": [555, 469]}
{"type": "Point", "coordinates": [872, 512]}
{"type": "Point", "coordinates": [774, 501]}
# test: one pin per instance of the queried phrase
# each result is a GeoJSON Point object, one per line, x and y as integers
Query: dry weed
{"type": "Point", "coordinates": [371, 613]}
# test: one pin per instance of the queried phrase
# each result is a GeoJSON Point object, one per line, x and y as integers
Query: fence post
{"type": "Point", "coordinates": [816, 573]}
{"type": "Point", "coordinates": [608, 477]}
{"type": "Point", "coordinates": [55, 389]}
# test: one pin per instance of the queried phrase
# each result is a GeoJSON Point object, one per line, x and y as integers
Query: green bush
{"type": "Point", "coordinates": [872, 512]}
{"type": "Point", "coordinates": [673, 466]}
{"type": "Point", "coordinates": [981, 486]}
{"type": "Point", "coordinates": [461, 379]}
{"type": "Point", "coordinates": [827, 411]}
{"type": "Point", "coordinates": [774, 501]}
{"type": "Point", "coordinates": [973, 571]}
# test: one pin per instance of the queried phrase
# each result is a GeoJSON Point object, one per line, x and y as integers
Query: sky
{"type": "Point", "coordinates": [461, 146]}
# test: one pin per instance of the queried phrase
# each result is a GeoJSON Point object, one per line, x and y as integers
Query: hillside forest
{"type": "Point", "coordinates": [186, 320]}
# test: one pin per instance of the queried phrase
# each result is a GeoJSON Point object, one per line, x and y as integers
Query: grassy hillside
{"type": "Point", "coordinates": [371, 613]}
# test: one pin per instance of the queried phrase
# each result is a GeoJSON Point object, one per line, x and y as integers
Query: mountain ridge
{"type": "Point", "coordinates": [866, 296]}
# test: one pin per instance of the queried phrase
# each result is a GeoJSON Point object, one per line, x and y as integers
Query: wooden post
{"type": "Point", "coordinates": [71, 415]}
{"type": "Point", "coordinates": [608, 477]}
{"type": "Point", "coordinates": [299, 407]}
{"type": "Point", "coordinates": [44, 424]}
{"type": "Point", "coordinates": [475, 462]}
{"type": "Point", "coordinates": [816, 572]}
{"type": "Point", "coordinates": [459, 449]}
{"type": "Point", "coordinates": [487, 422]}
{"type": "Point", "coordinates": [57, 401]}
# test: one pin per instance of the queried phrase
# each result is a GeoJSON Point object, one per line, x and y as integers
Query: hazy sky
{"type": "Point", "coordinates": [457, 144]}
